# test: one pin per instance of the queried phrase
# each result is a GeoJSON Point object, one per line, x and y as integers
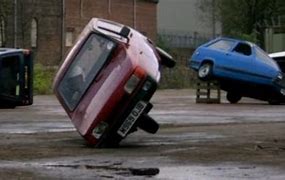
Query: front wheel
{"type": "Point", "coordinates": [205, 71]}
{"type": "Point", "coordinates": [233, 98]}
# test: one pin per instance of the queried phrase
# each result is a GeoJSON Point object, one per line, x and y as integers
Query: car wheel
{"type": "Point", "coordinates": [205, 71]}
{"type": "Point", "coordinates": [148, 124]}
{"type": "Point", "coordinates": [233, 98]}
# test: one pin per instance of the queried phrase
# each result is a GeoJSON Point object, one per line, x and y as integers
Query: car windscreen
{"type": "Point", "coordinates": [86, 65]}
{"type": "Point", "coordinates": [222, 44]}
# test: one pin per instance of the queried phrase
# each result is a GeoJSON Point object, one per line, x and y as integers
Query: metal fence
{"type": "Point", "coordinates": [183, 39]}
{"type": "Point", "coordinates": [181, 76]}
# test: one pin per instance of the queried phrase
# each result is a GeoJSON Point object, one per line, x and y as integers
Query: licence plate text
{"type": "Point", "coordinates": [131, 119]}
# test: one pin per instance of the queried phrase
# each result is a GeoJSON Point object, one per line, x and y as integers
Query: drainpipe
{"type": "Point", "coordinates": [214, 18]}
{"type": "Point", "coordinates": [15, 23]}
{"type": "Point", "coordinates": [81, 8]}
{"type": "Point", "coordinates": [135, 14]}
{"type": "Point", "coordinates": [63, 29]}
{"type": "Point", "coordinates": [109, 8]}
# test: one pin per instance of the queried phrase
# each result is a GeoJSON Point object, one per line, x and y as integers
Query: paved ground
{"type": "Point", "coordinates": [195, 141]}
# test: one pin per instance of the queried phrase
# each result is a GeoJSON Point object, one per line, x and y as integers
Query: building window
{"type": "Point", "coordinates": [34, 33]}
{"type": "Point", "coordinates": [69, 38]}
{"type": "Point", "coordinates": [2, 32]}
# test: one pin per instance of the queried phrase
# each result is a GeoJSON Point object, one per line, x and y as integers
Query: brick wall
{"type": "Point", "coordinates": [143, 17]}
{"type": "Point", "coordinates": [77, 13]}
{"type": "Point", "coordinates": [48, 17]}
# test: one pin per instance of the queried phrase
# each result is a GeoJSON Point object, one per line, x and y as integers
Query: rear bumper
{"type": "Point", "coordinates": [123, 109]}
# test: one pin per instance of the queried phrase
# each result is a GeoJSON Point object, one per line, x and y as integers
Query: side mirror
{"type": "Point", "coordinates": [125, 32]}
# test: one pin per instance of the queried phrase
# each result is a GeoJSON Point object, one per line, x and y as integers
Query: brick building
{"type": "Point", "coordinates": [50, 27]}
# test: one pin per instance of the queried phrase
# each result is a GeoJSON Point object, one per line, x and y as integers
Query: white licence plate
{"type": "Point", "coordinates": [131, 119]}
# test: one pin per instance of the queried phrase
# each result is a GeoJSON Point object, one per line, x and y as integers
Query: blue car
{"type": "Point", "coordinates": [242, 68]}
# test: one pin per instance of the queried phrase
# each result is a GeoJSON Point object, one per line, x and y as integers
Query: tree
{"type": "Point", "coordinates": [245, 19]}
{"type": "Point", "coordinates": [4, 9]}
{"type": "Point", "coordinates": [3, 6]}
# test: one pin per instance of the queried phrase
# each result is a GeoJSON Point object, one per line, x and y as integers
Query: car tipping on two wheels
{"type": "Point", "coordinates": [107, 80]}
{"type": "Point", "coordinates": [242, 68]}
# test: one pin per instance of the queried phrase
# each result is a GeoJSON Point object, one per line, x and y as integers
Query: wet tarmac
{"type": "Point", "coordinates": [195, 141]}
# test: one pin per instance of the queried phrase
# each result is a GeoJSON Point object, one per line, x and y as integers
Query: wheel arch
{"type": "Point", "coordinates": [210, 61]}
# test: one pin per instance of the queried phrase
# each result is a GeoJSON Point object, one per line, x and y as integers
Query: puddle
{"type": "Point", "coordinates": [30, 128]}
{"type": "Point", "coordinates": [117, 170]}
{"type": "Point", "coordinates": [220, 172]}
{"type": "Point", "coordinates": [123, 171]}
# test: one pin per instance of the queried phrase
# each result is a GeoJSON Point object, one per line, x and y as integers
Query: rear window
{"type": "Point", "coordinates": [85, 67]}
{"type": "Point", "coordinates": [9, 75]}
{"type": "Point", "coordinates": [223, 44]}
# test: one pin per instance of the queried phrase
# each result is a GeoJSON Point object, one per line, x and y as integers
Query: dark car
{"type": "Point", "coordinates": [242, 68]}
{"type": "Point", "coordinates": [16, 77]}
{"type": "Point", "coordinates": [107, 80]}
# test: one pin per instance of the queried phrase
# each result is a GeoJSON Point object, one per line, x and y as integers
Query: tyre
{"type": "Point", "coordinates": [205, 71]}
{"type": "Point", "coordinates": [166, 59]}
{"type": "Point", "coordinates": [233, 98]}
{"type": "Point", "coordinates": [148, 124]}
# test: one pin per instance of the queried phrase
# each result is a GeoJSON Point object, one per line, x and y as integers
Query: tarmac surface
{"type": "Point", "coordinates": [195, 141]}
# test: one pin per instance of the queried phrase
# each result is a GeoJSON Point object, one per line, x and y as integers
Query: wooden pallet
{"type": "Point", "coordinates": [208, 92]}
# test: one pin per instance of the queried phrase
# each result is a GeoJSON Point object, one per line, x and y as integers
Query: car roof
{"type": "Point", "coordinates": [9, 50]}
{"type": "Point", "coordinates": [277, 54]}
{"type": "Point", "coordinates": [230, 39]}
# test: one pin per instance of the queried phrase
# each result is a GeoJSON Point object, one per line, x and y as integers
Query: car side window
{"type": "Point", "coordinates": [224, 45]}
{"type": "Point", "coordinates": [243, 48]}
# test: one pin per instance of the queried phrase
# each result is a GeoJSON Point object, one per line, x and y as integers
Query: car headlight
{"type": "Point", "coordinates": [147, 86]}
{"type": "Point", "coordinates": [132, 84]}
{"type": "Point", "coordinates": [99, 129]}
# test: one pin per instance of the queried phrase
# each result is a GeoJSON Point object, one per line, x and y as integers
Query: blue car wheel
{"type": "Point", "coordinates": [205, 71]}
{"type": "Point", "coordinates": [233, 98]}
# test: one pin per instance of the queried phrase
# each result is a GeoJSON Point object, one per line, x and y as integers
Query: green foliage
{"type": "Point", "coordinates": [245, 19]}
{"type": "Point", "coordinates": [43, 78]}
{"type": "Point", "coordinates": [162, 43]}
{"type": "Point", "coordinates": [245, 16]}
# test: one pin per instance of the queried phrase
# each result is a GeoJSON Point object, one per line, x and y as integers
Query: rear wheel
{"type": "Point", "coordinates": [233, 98]}
{"type": "Point", "coordinates": [205, 71]}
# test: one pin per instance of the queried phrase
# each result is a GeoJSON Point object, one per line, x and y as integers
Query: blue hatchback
{"type": "Point", "coordinates": [242, 68]}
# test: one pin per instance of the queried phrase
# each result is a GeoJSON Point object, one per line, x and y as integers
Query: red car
{"type": "Point", "coordinates": [107, 80]}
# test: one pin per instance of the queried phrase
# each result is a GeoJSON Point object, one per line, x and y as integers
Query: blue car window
{"type": "Point", "coordinates": [243, 48]}
{"type": "Point", "coordinates": [263, 56]}
{"type": "Point", "coordinates": [223, 44]}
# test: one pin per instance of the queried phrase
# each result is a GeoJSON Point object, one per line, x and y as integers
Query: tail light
{"type": "Point", "coordinates": [132, 83]}
{"type": "Point", "coordinates": [134, 80]}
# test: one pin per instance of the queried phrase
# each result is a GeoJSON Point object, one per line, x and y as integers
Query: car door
{"type": "Point", "coordinates": [239, 63]}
